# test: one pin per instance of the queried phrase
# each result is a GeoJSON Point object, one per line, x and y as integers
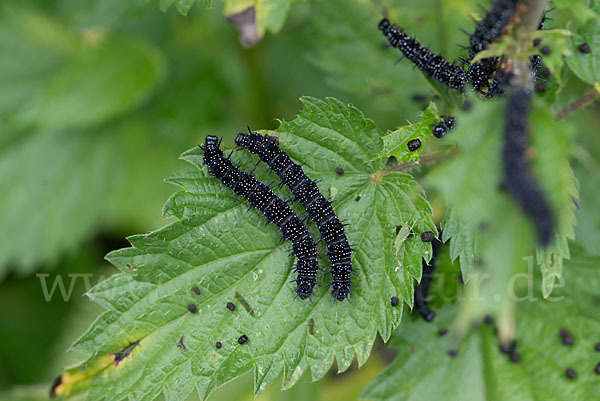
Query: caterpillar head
{"type": "Point", "coordinates": [211, 141]}
{"type": "Point", "coordinates": [384, 25]}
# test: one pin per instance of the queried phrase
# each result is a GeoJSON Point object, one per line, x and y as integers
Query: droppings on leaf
{"type": "Point", "coordinates": [180, 344]}
{"type": "Point", "coordinates": [566, 337]}
{"type": "Point", "coordinates": [584, 48]}
{"type": "Point", "coordinates": [414, 144]}
{"type": "Point", "coordinates": [243, 338]}
{"type": "Point", "coordinates": [124, 352]}
{"type": "Point", "coordinates": [510, 349]}
{"type": "Point", "coordinates": [570, 374]}
{"type": "Point", "coordinates": [196, 290]}
{"type": "Point", "coordinates": [394, 301]}
{"type": "Point", "coordinates": [230, 306]}
{"type": "Point", "coordinates": [192, 308]}
{"type": "Point", "coordinates": [427, 236]}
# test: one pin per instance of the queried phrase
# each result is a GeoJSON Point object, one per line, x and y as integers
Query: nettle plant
{"type": "Point", "coordinates": [216, 293]}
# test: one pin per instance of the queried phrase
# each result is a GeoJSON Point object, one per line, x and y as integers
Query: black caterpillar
{"type": "Point", "coordinates": [433, 65]}
{"type": "Point", "coordinates": [478, 74]}
{"type": "Point", "coordinates": [491, 26]}
{"type": "Point", "coordinates": [317, 207]}
{"type": "Point", "coordinates": [487, 31]}
{"type": "Point", "coordinates": [275, 210]}
{"type": "Point", "coordinates": [422, 288]}
{"type": "Point", "coordinates": [436, 66]}
{"type": "Point", "coordinates": [517, 177]}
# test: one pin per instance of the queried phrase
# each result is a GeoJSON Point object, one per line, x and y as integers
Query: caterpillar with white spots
{"type": "Point", "coordinates": [276, 210]}
{"type": "Point", "coordinates": [317, 207]}
{"type": "Point", "coordinates": [433, 65]}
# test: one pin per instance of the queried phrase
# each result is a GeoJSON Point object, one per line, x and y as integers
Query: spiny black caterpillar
{"type": "Point", "coordinates": [491, 25]}
{"type": "Point", "coordinates": [277, 211]}
{"type": "Point", "coordinates": [478, 74]}
{"type": "Point", "coordinates": [317, 207]}
{"type": "Point", "coordinates": [517, 176]}
{"type": "Point", "coordinates": [433, 65]}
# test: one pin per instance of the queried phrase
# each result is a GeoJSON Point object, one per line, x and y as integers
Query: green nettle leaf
{"type": "Point", "coordinates": [588, 218]}
{"type": "Point", "coordinates": [582, 10]}
{"type": "Point", "coordinates": [395, 143]}
{"type": "Point", "coordinates": [481, 372]}
{"type": "Point", "coordinates": [103, 81]}
{"type": "Point", "coordinates": [222, 249]}
{"type": "Point", "coordinates": [464, 241]}
{"type": "Point", "coordinates": [471, 183]}
{"type": "Point", "coordinates": [551, 165]}
{"type": "Point", "coordinates": [558, 41]}
{"type": "Point", "coordinates": [44, 45]}
{"type": "Point", "coordinates": [584, 65]}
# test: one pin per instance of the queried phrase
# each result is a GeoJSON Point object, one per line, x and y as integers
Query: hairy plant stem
{"type": "Point", "coordinates": [423, 161]}
{"type": "Point", "coordinates": [522, 74]}
{"type": "Point", "coordinates": [578, 104]}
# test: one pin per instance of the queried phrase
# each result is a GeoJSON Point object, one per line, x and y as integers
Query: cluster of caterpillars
{"type": "Point", "coordinates": [317, 207]}
{"type": "Point", "coordinates": [490, 77]}
{"type": "Point", "coordinates": [487, 76]}
{"type": "Point", "coordinates": [278, 212]}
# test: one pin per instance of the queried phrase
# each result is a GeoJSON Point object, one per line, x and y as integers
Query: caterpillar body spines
{"type": "Point", "coordinates": [491, 25]}
{"type": "Point", "coordinates": [277, 211]}
{"type": "Point", "coordinates": [479, 74]}
{"type": "Point", "coordinates": [433, 65]}
{"type": "Point", "coordinates": [317, 207]}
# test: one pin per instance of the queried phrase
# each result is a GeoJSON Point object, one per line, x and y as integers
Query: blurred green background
{"type": "Point", "coordinates": [99, 98]}
{"type": "Point", "coordinates": [97, 101]}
